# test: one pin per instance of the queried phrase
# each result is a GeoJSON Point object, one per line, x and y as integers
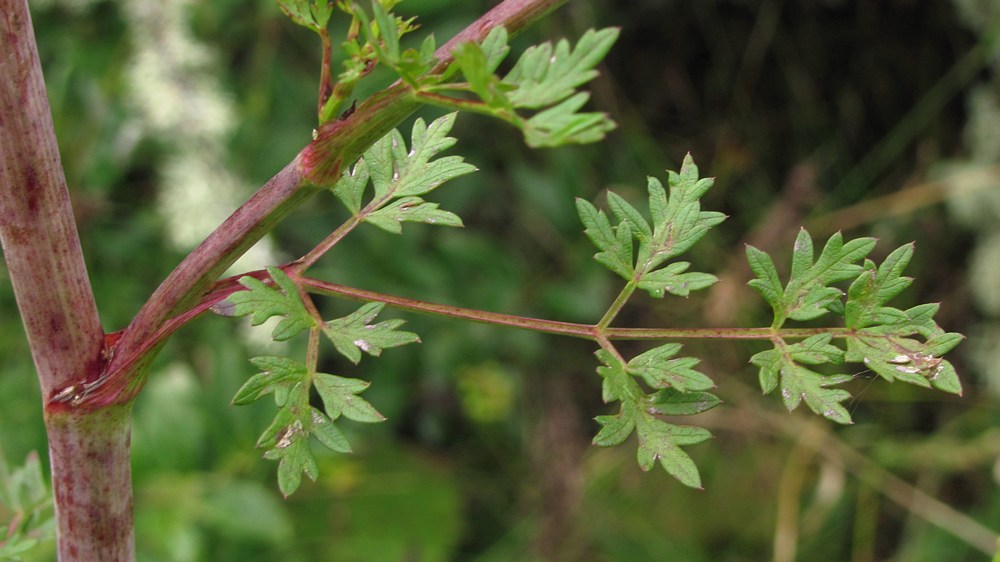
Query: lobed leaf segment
{"type": "Point", "coordinates": [544, 80]}
{"type": "Point", "coordinates": [641, 252]}
{"type": "Point", "coordinates": [291, 381]}
{"type": "Point", "coordinates": [878, 336]}
{"type": "Point", "coordinates": [399, 177]}
{"type": "Point", "coordinates": [896, 344]}
{"type": "Point", "coordinates": [26, 500]}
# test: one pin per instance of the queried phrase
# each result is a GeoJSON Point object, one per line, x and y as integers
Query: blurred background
{"type": "Point", "coordinates": [875, 118]}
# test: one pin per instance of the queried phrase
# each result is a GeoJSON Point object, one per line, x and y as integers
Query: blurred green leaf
{"type": "Point", "coordinates": [313, 14]}
{"type": "Point", "coordinates": [673, 402]}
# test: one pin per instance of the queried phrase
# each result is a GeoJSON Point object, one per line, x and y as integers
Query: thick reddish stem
{"type": "Point", "coordinates": [336, 142]}
{"type": "Point", "coordinates": [92, 480]}
{"type": "Point", "coordinates": [37, 228]}
{"type": "Point", "coordinates": [89, 450]}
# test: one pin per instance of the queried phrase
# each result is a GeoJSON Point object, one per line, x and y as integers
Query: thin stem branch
{"type": "Point", "coordinates": [325, 77]}
{"type": "Point", "coordinates": [199, 270]}
{"type": "Point", "coordinates": [585, 331]}
{"type": "Point", "coordinates": [471, 106]}
{"type": "Point", "coordinates": [300, 265]}
{"type": "Point", "coordinates": [616, 306]}
{"type": "Point", "coordinates": [337, 143]}
{"type": "Point", "coordinates": [305, 262]}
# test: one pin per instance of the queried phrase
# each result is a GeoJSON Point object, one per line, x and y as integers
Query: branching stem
{"type": "Point", "coordinates": [616, 306]}
{"type": "Point", "coordinates": [585, 331]}
{"type": "Point", "coordinates": [337, 143]}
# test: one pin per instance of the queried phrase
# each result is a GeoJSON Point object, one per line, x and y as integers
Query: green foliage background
{"type": "Point", "coordinates": [802, 110]}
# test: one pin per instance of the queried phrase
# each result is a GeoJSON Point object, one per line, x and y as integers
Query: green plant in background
{"type": "Point", "coordinates": [26, 506]}
{"type": "Point", "coordinates": [357, 147]}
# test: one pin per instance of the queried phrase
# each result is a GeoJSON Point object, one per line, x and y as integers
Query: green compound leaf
{"type": "Point", "coordinates": [340, 397]}
{"type": "Point", "coordinates": [544, 80]}
{"type": "Point", "coordinates": [286, 440]}
{"type": "Point", "coordinates": [896, 344]}
{"type": "Point", "coordinates": [786, 363]}
{"type": "Point", "coordinates": [313, 14]}
{"type": "Point", "coordinates": [672, 402]}
{"type": "Point", "coordinates": [277, 375]}
{"type": "Point", "coordinates": [892, 352]}
{"type": "Point", "coordinates": [398, 173]}
{"type": "Point", "coordinates": [677, 223]}
{"type": "Point", "coordinates": [355, 333]}
{"type": "Point", "coordinates": [561, 124]}
{"type": "Point", "coordinates": [658, 440]}
{"type": "Point", "coordinates": [661, 441]}
{"type": "Point", "coordinates": [808, 294]}
{"type": "Point", "coordinates": [882, 336]}
{"type": "Point", "coordinates": [660, 371]}
{"type": "Point", "coordinates": [411, 209]}
{"type": "Point", "coordinates": [545, 75]}
{"type": "Point", "coordinates": [262, 301]}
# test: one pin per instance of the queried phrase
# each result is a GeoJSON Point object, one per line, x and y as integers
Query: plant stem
{"type": "Point", "coordinates": [471, 106]}
{"type": "Point", "coordinates": [325, 78]}
{"type": "Point", "coordinates": [92, 481]}
{"type": "Point", "coordinates": [37, 228]}
{"type": "Point", "coordinates": [337, 143]}
{"type": "Point", "coordinates": [199, 270]}
{"type": "Point", "coordinates": [616, 306]}
{"type": "Point", "coordinates": [585, 331]}
{"type": "Point", "coordinates": [89, 450]}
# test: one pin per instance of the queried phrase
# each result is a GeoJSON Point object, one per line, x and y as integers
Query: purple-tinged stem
{"type": "Point", "coordinates": [37, 228]}
{"type": "Point", "coordinates": [88, 449]}
{"type": "Point", "coordinates": [337, 143]}
{"type": "Point", "coordinates": [92, 480]}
